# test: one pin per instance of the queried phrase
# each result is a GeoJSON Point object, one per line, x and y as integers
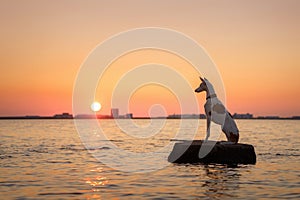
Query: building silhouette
{"type": "Point", "coordinates": [242, 116]}
{"type": "Point", "coordinates": [129, 116]}
{"type": "Point", "coordinates": [63, 116]}
{"type": "Point", "coordinates": [114, 113]}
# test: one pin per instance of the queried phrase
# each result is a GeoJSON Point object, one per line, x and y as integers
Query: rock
{"type": "Point", "coordinates": [221, 153]}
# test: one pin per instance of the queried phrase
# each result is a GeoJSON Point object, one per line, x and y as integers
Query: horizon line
{"type": "Point", "coordinates": [66, 115]}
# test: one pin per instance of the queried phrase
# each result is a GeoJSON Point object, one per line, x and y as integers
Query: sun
{"type": "Point", "coordinates": [95, 106]}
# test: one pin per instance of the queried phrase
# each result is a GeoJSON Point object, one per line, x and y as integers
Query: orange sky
{"type": "Point", "coordinates": [255, 45]}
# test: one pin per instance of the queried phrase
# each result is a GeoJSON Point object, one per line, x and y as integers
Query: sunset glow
{"type": "Point", "coordinates": [254, 45]}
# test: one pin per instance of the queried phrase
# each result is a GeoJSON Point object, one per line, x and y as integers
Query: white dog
{"type": "Point", "coordinates": [216, 112]}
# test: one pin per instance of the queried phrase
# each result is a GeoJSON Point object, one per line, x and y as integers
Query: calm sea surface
{"type": "Point", "coordinates": [45, 159]}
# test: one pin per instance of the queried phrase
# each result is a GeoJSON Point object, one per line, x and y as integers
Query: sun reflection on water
{"type": "Point", "coordinates": [98, 180]}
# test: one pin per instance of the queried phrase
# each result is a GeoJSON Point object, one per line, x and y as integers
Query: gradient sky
{"type": "Point", "coordinates": [255, 45]}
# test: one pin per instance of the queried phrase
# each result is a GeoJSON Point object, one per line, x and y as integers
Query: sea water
{"type": "Point", "coordinates": [46, 159]}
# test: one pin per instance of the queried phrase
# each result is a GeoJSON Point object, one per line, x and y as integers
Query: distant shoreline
{"type": "Point", "coordinates": [66, 115]}
{"type": "Point", "coordinates": [70, 118]}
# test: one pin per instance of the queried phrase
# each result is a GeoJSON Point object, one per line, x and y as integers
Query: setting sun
{"type": "Point", "coordinates": [95, 106]}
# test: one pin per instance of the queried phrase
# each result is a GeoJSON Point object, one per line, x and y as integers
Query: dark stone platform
{"type": "Point", "coordinates": [221, 153]}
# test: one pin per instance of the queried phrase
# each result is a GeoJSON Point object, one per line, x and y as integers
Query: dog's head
{"type": "Point", "coordinates": [203, 86]}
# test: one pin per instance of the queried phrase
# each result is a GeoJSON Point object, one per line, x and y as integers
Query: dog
{"type": "Point", "coordinates": [215, 111]}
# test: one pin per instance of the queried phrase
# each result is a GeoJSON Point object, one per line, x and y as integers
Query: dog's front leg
{"type": "Point", "coordinates": [207, 128]}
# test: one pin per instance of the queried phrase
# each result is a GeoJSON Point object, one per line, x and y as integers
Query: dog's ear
{"type": "Point", "coordinates": [201, 79]}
